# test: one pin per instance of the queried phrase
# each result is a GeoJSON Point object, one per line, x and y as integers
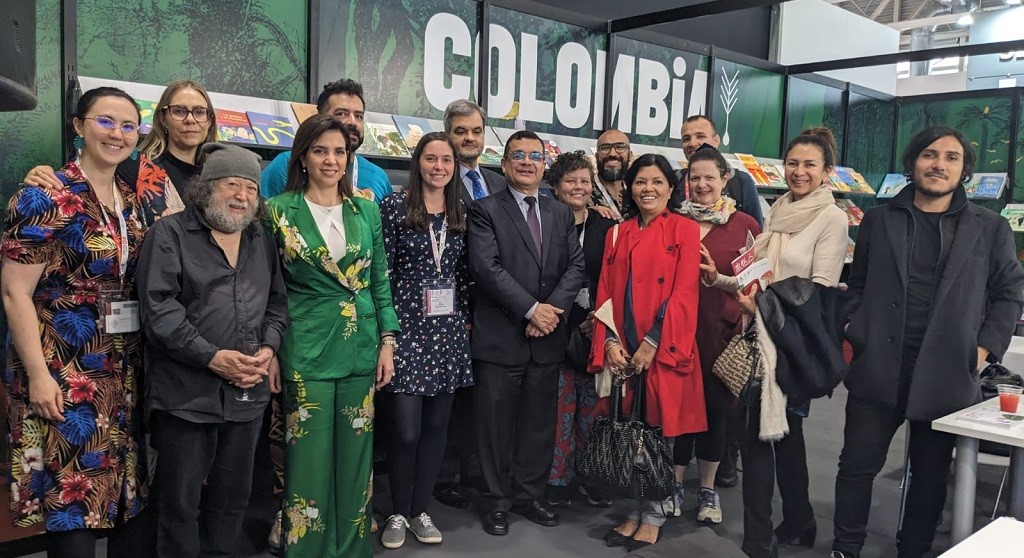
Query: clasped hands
{"type": "Point", "coordinates": [245, 371]}
{"type": "Point", "coordinates": [544, 320]}
{"type": "Point", "coordinates": [619, 359]}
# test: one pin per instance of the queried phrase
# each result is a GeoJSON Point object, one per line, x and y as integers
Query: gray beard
{"type": "Point", "coordinates": [222, 222]}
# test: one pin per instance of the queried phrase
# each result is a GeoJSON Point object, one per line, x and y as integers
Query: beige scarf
{"type": "Point", "coordinates": [788, 217]}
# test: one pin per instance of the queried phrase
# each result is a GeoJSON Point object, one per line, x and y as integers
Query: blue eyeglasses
{"type": "Point", "coordinates": [519, 155]}
{"type": "Point", "coordinates": [109, 124]}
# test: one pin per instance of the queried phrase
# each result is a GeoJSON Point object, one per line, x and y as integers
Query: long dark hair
{"type": "Point", "coordinates": [928, 136]}
{"type": "Point", "coordinates": [649, 160]}
{"type": "Point", "coordinates": [307, 134]}
{"type": "Point", "coordinates": [416, 217]}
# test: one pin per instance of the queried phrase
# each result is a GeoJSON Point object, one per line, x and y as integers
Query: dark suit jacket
{"type": "Point", "coordinates": [495, 183]}
{"type": "Point", "coordinates": [509, 277]}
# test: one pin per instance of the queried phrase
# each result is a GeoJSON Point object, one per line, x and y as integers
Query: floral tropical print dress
{"type": "Point", "coordinates": [88, 471]}
{"type": "Point", "coordinates": [328, 361]}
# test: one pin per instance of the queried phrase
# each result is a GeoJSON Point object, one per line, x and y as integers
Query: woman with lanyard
{"type": "Point", "coordinates": [572, 176]}
{"type": "Point", "coordinates": [424, 237]}
{"type": "Point", "coordinates": [72, 372]}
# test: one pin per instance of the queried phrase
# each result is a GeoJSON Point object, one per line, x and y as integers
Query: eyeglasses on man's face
{"type": "Point", "coordinates": [519, 155]}
{"type": "Point", "coordinates": [181, 112]}
{"type": "Point", "coordinates": [235, 186]}
{"type": "Point", "coordinates": [618, 147]}
{"type": "Point", "coordinates": [109, 124]}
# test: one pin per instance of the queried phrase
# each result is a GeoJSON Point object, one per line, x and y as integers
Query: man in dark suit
{"type": "Point", "coordinates": [527, 267]}
{"type": "Point", "coordinates": [464, 123]}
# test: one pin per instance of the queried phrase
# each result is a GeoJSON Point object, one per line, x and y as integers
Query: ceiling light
{"type": "Point", "coordinates": [965, 20]}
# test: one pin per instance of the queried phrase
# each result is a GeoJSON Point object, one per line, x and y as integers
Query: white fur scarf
{"type": "Point", "coordinates": [774, 425]}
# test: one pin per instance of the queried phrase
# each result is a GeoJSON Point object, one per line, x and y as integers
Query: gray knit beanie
{"type": "Point", "coordinates": [224, 160]}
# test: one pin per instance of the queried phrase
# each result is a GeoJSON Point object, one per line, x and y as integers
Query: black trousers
{"type": "Point", "coordinates": [419, 425]}
{"type": "Point", "coordinates": [764, 464]}
{"type": "Point", "coordinates": [515, 409]}
{"type": "Point", "coordinates": [461, 464]}
{"type": "Point", "coordinates": [710, 445]}
{"type": "Point", "coordinates": [870, 427]}
{"type": "Point", "coordinates": [195, 520]}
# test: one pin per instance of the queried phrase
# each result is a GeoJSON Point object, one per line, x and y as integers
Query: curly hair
{"type": "Point", "coordinates": [568, 162]}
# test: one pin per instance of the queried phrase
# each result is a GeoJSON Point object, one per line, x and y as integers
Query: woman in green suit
{"type": "Point", "coordinates": [339, 349]}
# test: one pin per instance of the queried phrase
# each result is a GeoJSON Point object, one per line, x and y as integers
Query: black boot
{"type": "Point", "coordinates": [726, 476]}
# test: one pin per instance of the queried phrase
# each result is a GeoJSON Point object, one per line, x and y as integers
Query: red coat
{"type": "Point", "coordinates": [665, 259]}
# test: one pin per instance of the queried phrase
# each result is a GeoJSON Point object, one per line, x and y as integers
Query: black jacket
{"type": "Point", "coordinates": [977, 302]}
{"type": "Point", "coordinates": [805, 321]}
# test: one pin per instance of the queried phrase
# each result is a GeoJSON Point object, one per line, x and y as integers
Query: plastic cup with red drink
{"type": "Point", "coordinates": [1009, 397]}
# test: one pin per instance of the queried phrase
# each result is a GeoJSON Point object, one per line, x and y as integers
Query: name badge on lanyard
{"type": "Point", "coordinates": [439, 293]}
{"type": "Point", "coordinates": [118, 312]}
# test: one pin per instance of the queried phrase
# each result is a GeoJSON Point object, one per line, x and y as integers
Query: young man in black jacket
{"type": "Point", "coordinates": [938, 291]}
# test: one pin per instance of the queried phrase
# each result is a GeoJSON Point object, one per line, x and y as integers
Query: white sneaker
{"type": "Point", "coordinates": [393, 535]}
{"type": "Point", "coordinates": [674, 504]}
{"type": "Point", "coordinates": [710, 509]}
{"type": "Point", "coordinates": [424, 530]}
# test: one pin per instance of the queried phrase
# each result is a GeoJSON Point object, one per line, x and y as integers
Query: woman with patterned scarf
{"type": "Point", "coordinates": [723, 233]}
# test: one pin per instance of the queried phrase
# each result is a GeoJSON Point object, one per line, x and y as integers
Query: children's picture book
{"type": "Point", "coordinates": [303, 111]}
{"type": "Point", "coordinates": [412, 129]}
{"type": "Point", "coordinates": [838, 184]}
{"type": "Point", "coordinates": [271, 129]}
{"type": "Point", "coordinates": [891, 185]}
{"type": "Point", "coordinates": [383, 139]}
{"type": "Point", "coordinates": [491, 155]}
{"type": "Point", "coordinates": [776, 178]}
{"type": "Point", "coordinates": [992, 417]}
{"type": "Point", "coordinates": [146, 110]}
{"type": "Point", "coordinates": [749, 269]}
{"type": "Point", "coordinates": [234, 126]}
{"type": "Point", "coordinates": [854, 214]}
{"type": "Point", "coordinates": [862, 184]}
{"type": "Point", "coordinates": [754, 168]}
{"type": "Point", "coordinates": [987, 185]}
{"type": "Point", "coordinates": [1014, 213]}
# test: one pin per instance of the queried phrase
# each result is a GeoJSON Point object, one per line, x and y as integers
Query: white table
{"type": "Point", "coordinates": [1014, 357]}
{"type": "Point", "coordinates": [995, 539]}
{"type": "Point", "coordinates": [966, 465]}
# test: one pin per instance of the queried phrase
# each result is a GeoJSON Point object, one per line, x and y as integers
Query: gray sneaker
{"type": "Point", "coordinates": [710, 508]}
{"type": "Point", "coordinates": [423, 527]}
{"type": "Point", "coordinates": [393, 535]}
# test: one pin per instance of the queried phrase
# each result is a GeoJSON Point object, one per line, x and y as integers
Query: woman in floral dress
{"type": "Point", "coordinates": [424, 235]}
{"type": "Point", "coordinates": [72, 372]}
{"type": "Point", "coordinates": [339, 349]}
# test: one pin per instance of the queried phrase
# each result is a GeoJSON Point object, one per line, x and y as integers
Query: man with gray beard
{"type": "Point", "coordinates": [213, 305]}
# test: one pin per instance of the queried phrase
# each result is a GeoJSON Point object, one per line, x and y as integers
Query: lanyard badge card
{"type": "Point", "coordinates": [438, 294]}
{"type": "Point", "coordinates": [118, 312]}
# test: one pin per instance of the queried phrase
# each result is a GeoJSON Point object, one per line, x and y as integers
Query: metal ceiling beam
{"type": "Point", "coordinates": [897, 7]}
{"type": "Point", "coordinates": [912, 56]}
{"type": "Point", "coordinates": [944, 19]}
{"type": "Point", "coordinates": [878, 10]}
{"type": "Point", "coordinates": [687, 12]}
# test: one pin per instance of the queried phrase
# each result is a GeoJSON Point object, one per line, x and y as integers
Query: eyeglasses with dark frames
{"type": "Point", "coordinates": [618, 147]}
{"type": "Point", "coordinates": [181, 112]}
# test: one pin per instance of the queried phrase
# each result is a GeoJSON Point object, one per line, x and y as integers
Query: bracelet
{"type": "Point", "coordinates": [386, 335]}
{"type": "Point", "coordinates": [389, 340]}
{"type": "Point", "coordinates": [610, 343]}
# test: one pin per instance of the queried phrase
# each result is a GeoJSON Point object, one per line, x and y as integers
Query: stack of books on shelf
{"type": "Point", "coordinates": [853, 213]}
{"type": "Point", "coordinates": [845, 179]}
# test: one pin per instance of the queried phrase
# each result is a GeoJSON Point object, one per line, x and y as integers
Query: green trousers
{"type": "Point", "coordinates": [328, 467]}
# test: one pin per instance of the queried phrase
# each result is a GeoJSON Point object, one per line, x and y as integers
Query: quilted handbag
{"type": "Point", "coordinates": [625, 455]}
{"type": "Point", "coordinates": [739, 363]}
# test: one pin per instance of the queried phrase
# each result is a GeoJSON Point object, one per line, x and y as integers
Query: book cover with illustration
{"type": "Point", "coordinates": [776, 178]}
{"type": "Point", "coordinates": [383, 139]}
{"type": "Point", "coordinates": [271, 129]}
{"type": "Point", "coordinates": [838, 184]}
{"type": "Point", "coordinates": [854, 215]}
{"type": "Point", "coordinates": [754, 168]}
{"type": "Point", "coordinates": [491, 155]}
{"type": "Point", "coordinates": [234, 126]}
{"type": "Point", "coordinates": [146, 110]}
{"type": "Point", "coordinates": [988, 185]}
{"type": "Point", "coordinates": [303, 111]}
{"type": "Point", "coordinates": [412, 129]}
{"type": "Point", "coordinates": [864, 185]}
{"type": "Point", "coordinates": [846, 175]}
{"type": "Point", "coordinates": [1014, 213]}
{"type": "Point", "coordinates": [891, 185]}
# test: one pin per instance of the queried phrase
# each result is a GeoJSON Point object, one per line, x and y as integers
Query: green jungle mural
{"type": "Point", "coordinates": [811, 104]}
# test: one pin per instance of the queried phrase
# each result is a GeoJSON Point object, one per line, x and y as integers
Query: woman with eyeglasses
{"type": "Point", "coordinates": [339, 349]}
{"type": "Point", "coordinates": [651, 280]}
{"type": "Point", "coordinates": [73, 354]}
{"type": "Point", "coordinates": [166, 161]}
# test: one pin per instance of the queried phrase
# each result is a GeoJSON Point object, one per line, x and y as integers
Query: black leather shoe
{"type": "Point", "coordinates": [536, 513]}
{"type": "Point", "coordinates": [453, 496]}
{"type": "Point", "coordinates": [495, 522]}
{"type": "Point", "coordinates": [633, 545]}
{"type": "Point", "coordinates": [557, 496]}
{"type": "Point", "coordinates": [805, 537]}
{"type": "Point", "coordinates": [615, 538]}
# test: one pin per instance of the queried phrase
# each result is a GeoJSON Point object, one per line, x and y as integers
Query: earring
{"type": "Point", "coordinates": [303, 170]}
{"type": "Point", "coordinates": [134, 156]}
{"type": "Point", "coordinates": [78, 143]}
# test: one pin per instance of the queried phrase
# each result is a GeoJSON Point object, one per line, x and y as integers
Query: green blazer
{"type": "Point", "coordinates": [337, 309]}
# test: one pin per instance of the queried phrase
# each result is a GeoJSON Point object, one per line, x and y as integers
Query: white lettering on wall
{"type": "Point", "coordinates": [574, 64]}
{"type": "Point", "coordinates": [441, 29]}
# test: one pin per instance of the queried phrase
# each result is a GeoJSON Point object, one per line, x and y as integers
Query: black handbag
{"type": "Point", "coordinates": [577, 352]}
{"type": "Point", "coordinates": [626, 456]}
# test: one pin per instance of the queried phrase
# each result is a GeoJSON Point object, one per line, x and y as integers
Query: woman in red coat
{"type": "Point", "coordinates": [651, 279]}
